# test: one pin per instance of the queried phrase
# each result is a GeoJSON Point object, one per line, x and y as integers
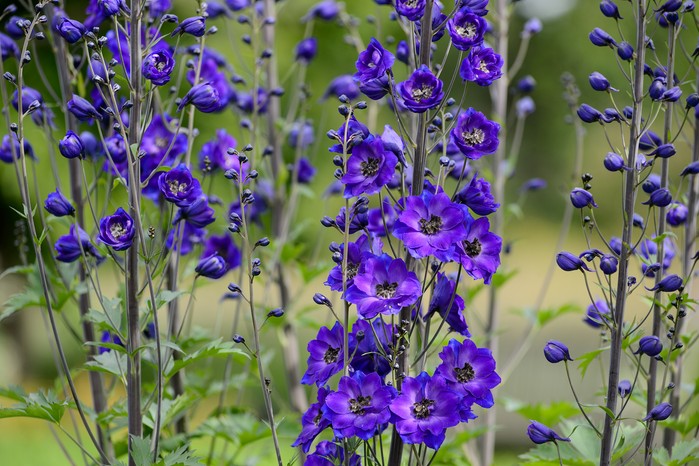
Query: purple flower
{"type": "Point", "coordinates": [306, 50]}
{"type": "Point", "coordinates": [609, 9]}
{"type": "Point", "coordinates": [117, 230]}
{"type": "Point", "coordinates": [204, 97]}
{"type": "Point", "coordinates": [157, 67]}
{"type": "Point", "coordinates": [8, 47]}
{"type": "Point", "coordinates": [312, 422]}
{"type": "Point", "coordinates": [326, 10]}
{"type": "Point", "coordinates": [581, 198]}
{"type": "Point", "coordinates": [9, 149]}
{"type": "Point", "coordinates": [601, 38]}
{"type": "Point", "coordinates": [359, 406]}
{"type": "Point", "coordinates": [248, 104]}
{"type": "Point", "coordinates": [109, 338]}
{"type": "Point", "coordinates": [469, 372]}
{"type": "Point", "coordinates": [449, 305]}
{"type": "Point", "coordinates": [330, 454]}
{"type": "Point", "coordinates": [369, 168]}
{"type": "Point", "coordinates": [382, 219]}
{"type": "Point", "coordinates": [599, 82]}
{"type": "Point", "coordinates": [224, 247]}
{"type": "Point", "coordinates": [71, 146]}
{"type": "Point", "coordinates": [342, 85]}
{"type": "Point", "coordinates": [326, 355]}
{"type": "Point", "coordinates": [482, 65]}
{"type": "Point", "coordinates": [33, 103]}
{"type": "Point", "coordinates": [213, 266]}
{"type": "Point", "coordinates": [422, 91]}
{"type": "Point", "coordinates": [569, 262]}
{"type": "Point", "coordinates": [214, 154]}
{"type": "Point", "coordinates": [668, 284]}
{"type": "Point", "coordinates": [424, 410]}
{"type": "Point", "coordinates": [475, 135]}
{"type": "Point", "coordinates": [624, 388]}
{"type": "Point", "coordinates": [370, 354]}
{"type": "Point", "coordinates": [373, 62]}
{"type": "Point", "coordinates": [608, 264]}
{"type": "Point", "coordinates": [430, 223]}
{"type": "Point", "coordinates": [82, 109]}
{"type": "Point", "coordinates": [589, 114]}
{"type": "Point", "coordinates": [649, 345]}
{"type": "Point", "coordinates": [477, 6]}
{"type": "Point", "coordinates": [677, 214]}
{"type": "Point", "coordinates": [383, 285]}
{"type": "Point", "coordinates": [350, 134]}
{"type": "Point", "coordinates": [358, 220]}
{"type": "Point", "coordinates": [477, 197]}
{"type": "Point", "coordinates": [301, 135]}
{"type": "Point", "coordinates": [403, 52]}
{"type": "Point", "coordinates": [13, 27]}
{"type": "Point", "coordinates": [71, 30]}
{"type": "Point", "coordinates": [597, 314]}
{"type": "Point", "coordinates": [613, 162]}
{"type": "Point", "coordinates": [179, 186]}
{"type": "Point", "coordinates": [524, 107]}
{"type": "Point", "coordinates": [195, 26]}
{"type": "Point", "coordinates": [191, 236]}
{"type": "Point", "coordinates": [356, 255]}
{"type": "Point", "coordinates": [466, 29]}
{"type": "Point", "coordinates": [57, 204]}
{"type": "Point", "coordinates": [305, 171]}
{"type": "Point", "coordinates": [198, 213]}
{"type": "Point", "coordinates": [71, 246]}
{"type": "Point", "coordinates": [411, 9]}
{"type": "Point", "coordinates": [237, 5]}
{"type": "Point", "coordinates": [651, 184]}
{"type": "Point", "coordinates": [659, 412]}
{"type": "Point", "coordinates": [661, 197]}
{"type": "Point", "coordinates": [691, 169]}
{"type": "Point", "coordinates": [539, 433]}
{"type": "Point", "coordinates": [479, 252]}
{"type": "Point", "coordinates": [555, 352]}
{"type": "Point", "coordinates": [532, 27]}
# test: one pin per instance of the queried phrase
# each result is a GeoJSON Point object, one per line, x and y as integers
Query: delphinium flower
{"type": "Point", "coordinates": [358, 251]}
{"type": "Point", "coordinates": [190, 237]}
{"type": "Point", "coordinates": [71, 146]}
{"type": "Point", "coordinates": [597, 314]}
{"type": "Point", "coordinates": [470, 372]}
{"type": "Point", "coordinates": [359, 406]}
{"type": "Point", "coordinates": [204, 97]}
{"type": "Point", "coordinates": [326, 10]}
{"type": "Point", "coordinates": [250, 104]}
{"type": "Point", "coordinates": [370, 355]}
{"type": "Point", "coordinates": [179, 186]}
{"type": "Point", "coordinates": [82, 109]}
{"type": "Point", "coordinates": [466, 29]}
{"type": "Point", "coordinates": [8, 47]}
{"type": "Point", "coordinates": [539, 433]}
{"type": "Point", "coordinates": [660, 412]}
{"type": "Point", "coordinates": [555, 352]}
{"type": "Point", "coordinates": [213, 266]}
{"type": "Point", "coordinates": [411, 9]}
{"type": "Point", "coordinates": [70, 247]}
{"type": "Point", "coordinates": [330, 454]}
{"type": "Point", "coordinates": [326, 355]}
{"type": "Point", "coordinates": [474, 134]}
{"type": "Point", "coordinates": [358, 220]}
{"type": "Point", "coordinates": [478, 197]}
{"type": "Point", "coordinates": [373, 62]}
{"type": "Point", "coordinates": [482, 66]}
{"type": "Point", "coordinates": [304, 170]}
{"type": "Point", "coordinates": [479, 252]}
{"type": "Point", "coordinates": [306, 50]}
{"type": "Point", "coordinates": [195, 26]}
{"type": "Point", "coordinates": [349, 134]}
{"type": "Point", "coordinates": [313, 422]}
{"type": "Point", "coordinates": [211, 71]}
{"type": "Point", "coordinates": [383, 285]}
{"type": "Point", "coordinates": [342, 85]}
{"type": "Point", "coordinates": [424, 410]}
{"type": "Point", "coordinates": [57, 204]}
{"type": "Point", "coordinates": [9, 149]}
{"type": "Point", "coordinates": [369, 168]}
{"type": "Point", "coordinates": [69, 29]}
{"type": "Point", "coordinates": [199, 213]}
{"type": "Point", "coordinates": [382, 219]}
{"type": "Point", "coordinates": [430, 223]}
{"type": "Point", "coordinates": [214, 153]}
{"type": "Point", "coordinates": [301, 135]}
{"type": "Point", "coordinates": [157, 67]}
{"type": "Point", "coordinates": [448, 304]}
{"type": "Point", "coordinates": [109, 338]}
{"type": "Point", "coordinates": [422, 91]}
{"type": "Point", "coordinates": [224, 246]}
{"type": "Point", "coordinates": [117, 230]}
{"type": "Point", "coordinates": [568, 262]}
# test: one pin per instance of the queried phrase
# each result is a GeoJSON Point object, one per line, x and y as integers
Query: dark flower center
{"type": "Point", "coordinates": [176, 187]}
{"type": "Point", "coordinates": [465, 374]}
{"type": "Point", "coordinates": [352, 269]}
{"type": "Point", "coordinates": [472, 248]}
{"type": "Point", "coordinates": [162, 143]}
{"type": "Point", "coordinates": [330, 355]}
{"type": "Point", "coordinates": [319, 416]}
{"type": "Point", "coordinates": [483, 66]}
{"type": "Point", "coordinates": [161, 64]}
{"type": "Point", "coordinates": [411, 3]}
{"type": "Point", "coordinates": [468, 30]}
{"type": "Point", "coordinates": [358, 404]}
{"type": "Point", "coordinates": [370, 167]}
{"type": "Point", "coordinates": [473, 137]}
{"type": "Point", "coordinates": [386, 290]}
{"type": "Point", "coordinates": [117, 230]}
{"type": "Point", "coordinates": [421, 409]}
{"type": "Point", "coordinates": [425, 92]}
{"type": "Point", "coordinates": [431, 226]}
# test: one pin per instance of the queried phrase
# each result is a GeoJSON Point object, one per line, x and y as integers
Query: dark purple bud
{"type": "Point", "coordinates": [660, 197]}
{"type": "Point", "coordinates": [651, 184]}
{"type": "Point", "coordinates": [659, 413]}
{"type": "Point", "coordinates": [625, 51]}
{"type": "Point", "coordinates": [692, 100]}
{"type": "Point", "coordinates": [601, 38]}
{"type": "Point", "coordinates": [71, 146]}
{"type": "Point", "coordinates": [649, 345]}
{"type": "Point", "coordinates": [608, 264]}
{"type": "Point", "coordinates": [238, 339]}
{"type": "Point", "coordinates": [117, 230]}
{"type": "Point", "coordinates": [581, 198]}
{"type": "Point", "coordinates": [72, 31]}
{"type": "Point", "coordinates": [306, 50]}
{"type": "Point", "coordinates": [326, 10]}
{"type": "Point", "coordinates": [677, 214]}
{"type": "Point", "coordinates": [555, 352]}
{"type": "Point", "coordinates": [532, 27]}
{"type": "Point", "coordinates": [657, 89]}
{"type": "Point", "coordinates": [524, 107]}
{"type": "Point", "coordinates": [539, 433]}
{"type": "Point", "coordinates": [638, 221]}
{"type": "Point", "coordinates": [609, 9]}
{"type": "Point", "coordinates": [157, 67]}
{"type": "Point", "coordinates": [599, 82]}
{"type": "Point", "coordinates": [321, 300]}
{"type": "Point", "coordinates": [668, 284]}
{"type": "Point", "coordinates": [526, 84]}
{"type": "Point", "coordinates": [278, 312]}
{"type": "Point", "coordinates": [624, 388]}
{"type": "Point", "coordinates": [688, 6]}
{"type": "Point", "coordinates": [691, 169]}
{"type": "Point", "coordinates": [664, 151]}
{"type": "Point", "coordinates": [613, 162]}
{"type": "Point", "coordinates": [403, 52]}
{"type": "Point", "coordinates": [213, 266]}
{"type": "Point", "coordinates": [82, 109]}
{"type": "Point", "coordinates": [204, 97]}
{"type": "Point", "coordinates": [611, 114]}
{"type": "Point", "coordinates": [195, 26]}
{"type": "Point", "coordinates": [669, 6]}
{"type": "Point", "coordinates": [569, 262]}
{"type": "Point", "coordinates": [589, 114]}
{"type": "Point", "coordinates": [534, 184]}
{"type": "Point", "coordinates": [342, 85]}
{"type": "Point", "coordinates": [56, 204]}
{"type": "Point", "coordinates": [14, 28]}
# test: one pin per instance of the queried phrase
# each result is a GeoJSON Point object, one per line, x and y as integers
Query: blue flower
{"type": "Point", "coordinates": [466, 29]}
{"type": "Point", "coordinates": [555, 352]}
{"type": "Point", "coordinates": [539, 433]}
{"type": "Point", "coordinates": [204, 97]}
{"type": "Point", "coordinates": [482, 65]}
{"type": "Point", "coordinates": [71, 246]}
{"type": "Point", "coordinates": [195, 26]}
{"type": "Point", "coordinates": [71, 146]}
{"type": "Point", "coordinates": [213, 266]}
{"type": "Point", "coordinates": [117, 230]}
{"type": "Point", "coordinates": [373, 62]}
{"type": "Point", "coordinates": [422, 91]}
{"type": "Point", "coordinates": [56, 204]}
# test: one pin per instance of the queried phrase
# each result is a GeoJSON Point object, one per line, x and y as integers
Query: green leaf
{"type": "Point", "coordinates": [685, 451]}
{"type": "Point", "coordinates": [213, 349]}
{"type": "Point", "coordinates": [500, 278]}
{"type": "Point", "coordinates": [546, 413]}
{"type": "Point", "coordinates": [111, 362]}
{"type": "Point", "coordinates": [20, 269]}
{"type": "Point", "coordinates": [180, 457]}
{"type": "Point", "coordinates": [586, 359]}
{"type": "Point", "coordinates": [37, 405]}
{"type": "Point", "coordinates": [140, 451]}
{"type": "Point", "coordinates": [166, 296]}
{"type": "Point", "coordinates": [19, 301]}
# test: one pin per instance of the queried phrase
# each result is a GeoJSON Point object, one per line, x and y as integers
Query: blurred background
{"type": "Point", "coordinates": [547, 152]}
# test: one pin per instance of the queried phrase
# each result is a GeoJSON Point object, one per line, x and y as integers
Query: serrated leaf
{"type": "Point", "coordinates": [180, 457]}
{"type": "Point", "coordinates": [20, 269]}
{"type": "Point", "coordinates": [213, 349]}
{"type": "Point", "coordinates": [19, 301]}
{"type": "Point", "coordinates": [685, 451]}
{"type": "Point", "coordinates": [140, 451]}
{"type": "Point", "coordinates": [111, 362]}
{"type": "Point", "coordinates": [586, 359]}
{"type": "Point", "coordinates": [39, 406]}
{"type": "Point", "coordinates": [167, 296]}
{"type": "Point", "coordinates": [546, 413]}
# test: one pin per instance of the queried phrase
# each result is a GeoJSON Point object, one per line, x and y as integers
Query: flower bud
{"type": "Point", "coordinates": [569, 262]}
{"type": "Point", "coordinates": [659, 413]}
{"type": "Point", "coordinates": [278, 312]}
{"type": "Point", "coordinates": [72, 31]}
{"type": "Point", "coordinates": [677, 214]}
{"type": "Point", "coordinates": [71, 146]}
{"type": "Point", "coordinates": [581, 198]}
{"type": "Point", "coordinates": [608, 264]}
{"type": "Point", "coordinates": [601, 38]}
{"type": "Point", "coordinates": [526, 84]}
{"type": "Point", "coordinates": [624, 388]}
{"type": "Point", "coordinates": [589, 114]}
{"type": "Point", "coordinates": [195, 26]}
{"type": "Point", "coordinates": [649, 345]}
{"type": "Point", "coordinates": [625, 51]}
{"type": "Point", "coordinates": [599, 82]}
{"type": "Point", "coordinates": [691, 169]}
{"type": "Point", "coordinates": [613, 162]}
{"type": "Point", "coordinates": [609, 9]}
{"type": "Point", "coordinates": [539, 433]}
{"type": "Point", "coordinates": [555, 352]}
{"type": "Point", "coordinates": [82, 109]}
{"type": "Point", "coordinates": [213, 266]}
{"type": "Point", "coordinates": [56, 204]}
{"type": "Point", "coordinates": [204, 97]}
{"type": "Point", "coordinates": [306, 50]}
{"type": "Point", "coordinates": [668, 284]}
{"type": "Point", "coordinates": [661, 197]}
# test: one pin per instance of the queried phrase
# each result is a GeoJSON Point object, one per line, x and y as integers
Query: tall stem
{"type": "Point", "coordinates": [135, 427]}
{"type": "Point", "coordinates": [662, 225]}
{"type": "Point", "coordinates": [499, 97]}
{"type": "Point", "coordinates": [617, 333]}
{"type": "Point", "coordinates": [419, 164]}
